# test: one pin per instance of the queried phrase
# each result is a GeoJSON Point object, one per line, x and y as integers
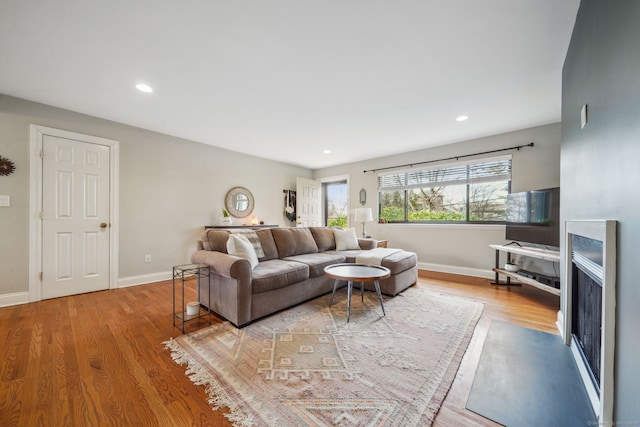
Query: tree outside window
{"type": "Point", "coordinates": [473, 192]}
{"type": "Point", "coordinates": [336, 204]}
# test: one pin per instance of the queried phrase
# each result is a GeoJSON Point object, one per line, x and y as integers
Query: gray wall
{"type": "Point", "coordinates": [600, 163]}
{"type": "Point", "coordinates": [458, 249]}
{"type": "Point", "coordinates": [169, 189]}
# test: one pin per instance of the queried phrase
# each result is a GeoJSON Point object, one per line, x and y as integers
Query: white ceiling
{"type": "Point", "coordinates": [288, 79]}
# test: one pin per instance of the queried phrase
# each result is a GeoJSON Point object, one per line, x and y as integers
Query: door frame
{"type": "Point", "coordinates": [337, 178]}
{"type": "Point", "coordinates": [37, 134]}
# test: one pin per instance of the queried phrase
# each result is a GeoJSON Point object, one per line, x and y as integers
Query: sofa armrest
{"type": "Point", "coordinates": [224, 265]}
{"type": "Point", "coordinates": [231, 278]}
{"type": "Point", "coordinates": [367, 243]}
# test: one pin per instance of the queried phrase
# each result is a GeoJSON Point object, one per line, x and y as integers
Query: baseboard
{"type": "Point", "coordinates": [460, 271]}
{"type": "Point", "coordinates": [125, 282]}
{"type": "Point", "coordinates": [455, 274]}
{"type": "Point", "coordinates": [449, 277]}
{"type": "Point", "coordinates": [16, 298]}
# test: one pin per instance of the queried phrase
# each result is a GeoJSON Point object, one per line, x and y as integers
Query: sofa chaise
{"type": "Point", "coordinates": [288, 268]}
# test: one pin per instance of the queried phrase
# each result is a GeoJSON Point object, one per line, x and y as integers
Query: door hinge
{"type": "Point", "coordinates": [42, 154]}
{"type": "Point", "coordinates": [40, 276]}
{"type": "Point", "coordinates": [40, 215]}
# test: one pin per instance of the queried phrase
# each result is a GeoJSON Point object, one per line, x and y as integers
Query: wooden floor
{"type": "Point", "coordinates": [97, 359]}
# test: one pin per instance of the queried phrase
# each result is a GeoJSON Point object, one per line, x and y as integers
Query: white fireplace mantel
{"type": "Point", "coordinates": [604, 231]}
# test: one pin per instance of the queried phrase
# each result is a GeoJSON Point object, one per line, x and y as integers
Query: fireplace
{"type": "Point", "coordinates": [586, 303]}
{"type": "Point", "coordinates": [587, 319]}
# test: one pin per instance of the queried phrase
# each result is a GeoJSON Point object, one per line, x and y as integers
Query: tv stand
{"type": "Point", "coordinates": [544, 254]}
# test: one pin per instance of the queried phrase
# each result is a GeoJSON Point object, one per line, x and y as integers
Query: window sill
{"type": "Point", "coordinates": [445, 226]}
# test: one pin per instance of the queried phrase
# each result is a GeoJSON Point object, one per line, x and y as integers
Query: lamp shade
{"type": "Point", "coordinates": [363, 214]}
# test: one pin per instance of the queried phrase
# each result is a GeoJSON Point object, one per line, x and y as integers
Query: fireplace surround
{"type": "Point", "coordinates": [587, 317]}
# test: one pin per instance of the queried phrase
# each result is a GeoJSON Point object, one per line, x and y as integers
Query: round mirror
{"type": "Point", "coordinates": [239, 202]}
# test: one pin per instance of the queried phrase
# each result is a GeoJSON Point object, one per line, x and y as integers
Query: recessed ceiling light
{"type": "Point", "coordinates": [461, 118]}
{"type": "Point", "coordinates": [327, 151]}
{"type": "Point", "coordinates": [144, 88]}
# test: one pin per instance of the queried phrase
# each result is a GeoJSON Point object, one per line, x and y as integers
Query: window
{"type": "Point", "coordinates": [474, 191]}
{"type": "Point", "coordinates": [335, 203]}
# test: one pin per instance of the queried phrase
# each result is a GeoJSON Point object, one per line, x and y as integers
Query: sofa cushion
{"type": "Point", "coordinates": [346, 239]}
{"type": "Point", "coordinates": [324, 238]}
{"type": "Point", "coordinates": [317, 262]}
{"type": "Point", "coordinates": [349, 256]}
{"type": "Point", "coordinates": [240, 245]}
{"type": "Point", "coordinates": [268, 244]}
{"type": "Point", "coordinates": [400, 261]}
{"type": "Point", "coordinates": [294, 241]}
{"type": "Point", "coordinates": [215, 240]}
{"type": "Point", "coordinates": [277, 273]}
{"type": "Point", "coordinates": [396, 263]}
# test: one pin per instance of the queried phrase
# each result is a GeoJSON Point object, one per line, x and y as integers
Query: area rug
{"type": "Point", "coordinates": [307, 366]}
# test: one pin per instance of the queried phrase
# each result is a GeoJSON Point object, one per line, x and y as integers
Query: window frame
{"type": "Point", "coordinates": [422, 178]}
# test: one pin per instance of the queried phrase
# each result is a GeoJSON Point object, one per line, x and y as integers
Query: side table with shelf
{"type": "Point", "coordinates": [543, 254]}
{"type": "Point", "coordinates": [182, 273]}
{"type": "Point", "coordinates": [379, 243]}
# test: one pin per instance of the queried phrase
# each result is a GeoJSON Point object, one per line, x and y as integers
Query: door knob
{"type": "Point", "coordinates": [103, 225]}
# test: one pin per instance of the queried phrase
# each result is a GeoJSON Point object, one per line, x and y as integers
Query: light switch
{"type": "Point", "coordinates": [5, 201]}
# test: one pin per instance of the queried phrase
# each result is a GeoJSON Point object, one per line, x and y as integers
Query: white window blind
{"type": "Point", "coordinates": [471, 172]}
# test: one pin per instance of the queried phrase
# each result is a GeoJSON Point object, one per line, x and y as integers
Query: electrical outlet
{"type": "Point", "coordinates": [147, 259]}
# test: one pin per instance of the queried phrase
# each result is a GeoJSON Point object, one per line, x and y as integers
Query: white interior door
{"type": "Point", "coordinates": [75, 216]}
{"type": "Point", "coordinates": [308, 203]}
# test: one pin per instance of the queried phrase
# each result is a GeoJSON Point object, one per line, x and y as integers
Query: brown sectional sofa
{"type": "Point", "coordinates": [290, 272]}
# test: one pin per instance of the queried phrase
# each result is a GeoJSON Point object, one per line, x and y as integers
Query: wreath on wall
{"type": "Point", "coordinates": [6, 166]}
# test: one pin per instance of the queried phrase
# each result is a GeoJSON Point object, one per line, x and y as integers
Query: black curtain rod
{"type": "Point", "coordinates": [517, 147]}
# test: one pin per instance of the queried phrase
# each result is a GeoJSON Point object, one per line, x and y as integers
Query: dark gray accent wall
{"type": "Point", "coordinates": [600, 164]}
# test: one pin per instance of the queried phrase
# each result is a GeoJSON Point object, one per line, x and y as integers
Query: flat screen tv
{"type": "Point", "coordinates": [534, 217]}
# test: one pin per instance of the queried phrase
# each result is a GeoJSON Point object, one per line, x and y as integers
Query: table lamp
{"type": "Point", "coordinates": [363, 215]}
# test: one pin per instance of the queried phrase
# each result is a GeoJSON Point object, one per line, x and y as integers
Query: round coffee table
{"type": "Point", "coordinates": [356, 273]}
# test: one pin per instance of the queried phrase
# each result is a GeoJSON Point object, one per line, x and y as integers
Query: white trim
{"type": "Point", "coordinates": [592, 393]}
{"type": "Point", "coordinates": [35, 206]}
{"type": "Point", "coordinates": [37, 134]}
{"type": "Point", "coordinates": [604, 231]}
{"type": "Point", "coordinates": [16, 298]}
{"type": "Point", "coordinates": [443, 226]}
{"type": "Point", "coordinates": [560, 322]}
{"type": "Point", "coordinates": [337, 178]}
{"type": "Point", "coordinates": [144, 279]}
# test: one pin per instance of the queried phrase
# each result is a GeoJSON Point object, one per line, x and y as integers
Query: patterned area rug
{"type": "Point", "coordinates": [307, 366]}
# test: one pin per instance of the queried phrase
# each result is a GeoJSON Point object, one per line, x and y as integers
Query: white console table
{"type": "Point", "coordinates": [544, 254]}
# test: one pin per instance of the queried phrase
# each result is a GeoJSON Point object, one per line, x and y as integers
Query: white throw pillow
{"type": "Point", "coordinates": [346, 239]}
{"type": "Point", "coordinates": [239, 245]}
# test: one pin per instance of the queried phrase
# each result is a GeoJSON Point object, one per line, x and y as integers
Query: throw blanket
{"type": "Point", "coordinates": [375, 256]}
{"type": "Point", "coordinates": [254, 239]}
